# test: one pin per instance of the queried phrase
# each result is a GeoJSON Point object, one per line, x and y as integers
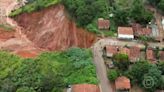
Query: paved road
{"type": "Point", "coordinates": [97, 49]}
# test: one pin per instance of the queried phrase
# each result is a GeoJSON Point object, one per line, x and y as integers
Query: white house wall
{"type": "Point", "coordinates": [122, 36]}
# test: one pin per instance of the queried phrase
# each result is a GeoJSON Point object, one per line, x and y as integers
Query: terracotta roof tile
{"type": "Point", "coordinates": [162, 55]}
{"type": "Point", "coordinates": [150, 54]}
{"type": "Point", "coordinates": [134, 53]}
{"type": "Point", "coordinates": [111, 50]}
{"type": "Point", "coordinates": [103, 24]}
{"type": "Point", "coordinates": [138, 30]}
{"type": "Point", "coordinates": [85, 88]}
{"type": "Point", "coordinates": [125, 50]}
{"type": "Point", "coordinates": [122, 83]}
{"type": "Point", "coordinates": [125, 30]}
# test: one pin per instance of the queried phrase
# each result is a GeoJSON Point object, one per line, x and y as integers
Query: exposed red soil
{"type": "Point", "coordinates": [27, 54]}
{"type": "Point", "coordinates": [51, 29]}
{"type": "Point", "coordinates": [5, 35]}
{"type": "Point", "coordinates": [28, 51]}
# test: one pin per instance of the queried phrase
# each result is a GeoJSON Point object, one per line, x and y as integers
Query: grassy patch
{"type": "Point", "coordinates": [34, 6]}
{"type": "Point", "coordinates": [6, 27]}
{"type": "Point", "coordinates": [109, 33]}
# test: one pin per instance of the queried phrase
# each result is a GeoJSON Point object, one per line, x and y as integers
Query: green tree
{"type": "Point", "coordinates": [137, 71]}
{"type": "Point", "coordinates": [156, 76]}
{"type": "Point", "coordinates": [161, 5]}
{"type": "Point", "coordinates": [113, 75]}
{"type": "Point", "coordinates": [154, 2]}
{"type": "Point", "coordinates": [84, 11]}
{"type": "Point", "coordinates": [139, 14]}
{"type": "Point", "coordinates": [121, 61]}
{"type": "Point", "coordinates": [25, 89]}
{"type": "Point", "coordinates": [161, 67]}
{"type": "Point", "coordinates": [162, 83]}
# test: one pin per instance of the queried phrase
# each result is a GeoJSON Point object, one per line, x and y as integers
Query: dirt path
{"type": "Point", "coordinates": [101, 69]}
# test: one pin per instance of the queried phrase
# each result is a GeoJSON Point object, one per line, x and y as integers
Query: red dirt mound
{"type": "Point", "coordinates": [5, 35]}
{"type": "Point", "coordinates": [27, 54]}
{"type": "Point", "coordinates": [51, 29]}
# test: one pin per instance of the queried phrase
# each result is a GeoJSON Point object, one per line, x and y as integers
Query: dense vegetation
{"type": "Point", "coordinates": [158, 4]}
{"type": "Point", "coordinates": [49, 72]}
{"type": "Point", "coordinates": [84, 11]}
{"type": "Point", "coordinates": [125, 12]}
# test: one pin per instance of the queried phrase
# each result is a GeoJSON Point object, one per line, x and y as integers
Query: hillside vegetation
{"type": "Point", "coordinates": [49, 72]}
{"type": "Point", "coordinates": [125, 12]}
{"type": "Point", "coordinates": [34, 5]}
{"type": "Point", "coordinates": [86, 12]}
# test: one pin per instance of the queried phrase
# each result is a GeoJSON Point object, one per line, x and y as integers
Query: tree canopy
{"type": "Point", "coordinates": [84, 11]}
{"type": "Point", "coordinates": [49, 72]}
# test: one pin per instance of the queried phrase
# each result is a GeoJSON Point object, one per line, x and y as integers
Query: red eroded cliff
{"type": "Point", "coordinates": [51, 29]}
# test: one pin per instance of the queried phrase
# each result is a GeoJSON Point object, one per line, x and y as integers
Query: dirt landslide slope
{"type": "Point", "coordinates": [51, 29]}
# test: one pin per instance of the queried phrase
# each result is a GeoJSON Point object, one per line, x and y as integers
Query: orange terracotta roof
{"type": "Point", "coordinates": [136, 27]}
{"type": "Point", "coordinates": [125, 50]}
{"type": "Point", "coordinates": [150, 55]}
{"type": "Point", "coordinates": [134, 53]}
{"type": "Point", "coordinates": [146, 31]}
{"type": "Point", "coordinates": [112, 49]}
{"type": "Point", "coordinates": [162, 55]}
{"type": "Point", "coordinates": [103, 24]}
{"type": "Point", "coordinates": [85, 88]}
{"type": "Point", "coordinates": [122, 83]}
{"type": "Point", "coordinates": [125, 30]}
{"type": "Point", "coordinates": [138, 30]}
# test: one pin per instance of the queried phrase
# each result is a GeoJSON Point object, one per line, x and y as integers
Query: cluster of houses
{"type": "Point", "coordinates": [130, 33]}
{"type": "Point", "coordinates": [135, 53]}
{"type": "Point", "coordinates": [122, 84]}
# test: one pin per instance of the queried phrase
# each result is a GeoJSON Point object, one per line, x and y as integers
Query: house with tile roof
{"type": "Point", "coordinates": [150, 55]}
{"type": "Point", "coordinates": [135, 53]}
{"type": "Point", "coordinates": [103, 24]}
{"type": "Point", "coordinates": [161, 55]}
{"type": "Point", "coordinates": [125, 33]}
{"type": "Point", "coordinates": [132, 52]}
{"type": "Point", "coordinates": [111, 50]}
{"type": "Point", "coordinates": [125, 50]}
{"type": "Point", "coordinates": [122, 84]}
{"type": "Point", "coordinates": [140, 31]}
{"type": "Point", "coordinates": [85, 88]}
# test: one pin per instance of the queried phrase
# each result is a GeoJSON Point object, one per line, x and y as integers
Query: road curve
{"type": "Point", "coordinates": [100, 68]}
